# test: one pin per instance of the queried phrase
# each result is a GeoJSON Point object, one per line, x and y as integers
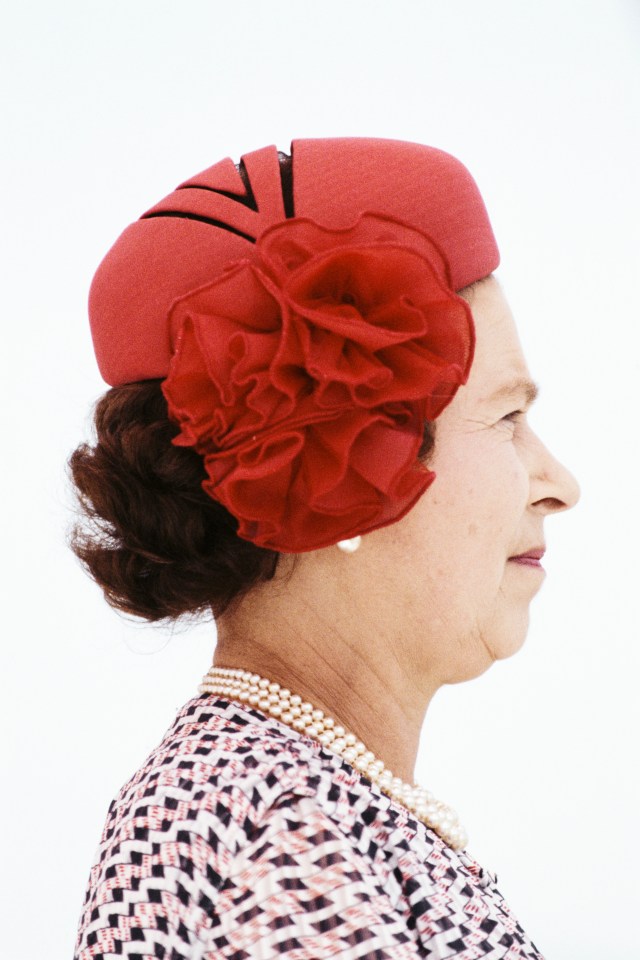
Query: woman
{"type": "Point", "coordinates": [317, 428]}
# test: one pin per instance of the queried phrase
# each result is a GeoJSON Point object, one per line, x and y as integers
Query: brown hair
{"type": "Point", "coordinates": [158, 546]}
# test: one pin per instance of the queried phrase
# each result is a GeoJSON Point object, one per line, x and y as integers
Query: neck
{"type": "Point", "coordinates": [346, 669]}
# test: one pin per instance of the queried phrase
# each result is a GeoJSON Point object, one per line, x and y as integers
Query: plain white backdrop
{"type": "Point", "coordinates": [110, 105]}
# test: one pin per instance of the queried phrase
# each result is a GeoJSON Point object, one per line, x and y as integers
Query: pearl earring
{"type": "Point", "coordinates": [349, 546]}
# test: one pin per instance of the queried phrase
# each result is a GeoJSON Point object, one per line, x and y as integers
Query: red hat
{"type": "Point", "coordinates": [212, 219]}
{"type": "Point", "coordinates": [305, 323]}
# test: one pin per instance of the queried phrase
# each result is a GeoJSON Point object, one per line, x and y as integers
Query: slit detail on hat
{"type": "Point", "coordinates": [247, 199]}
{"type": "Point", "coordinates": [195, 216]}
{"type": "Point", "coordinates": [286, 178]}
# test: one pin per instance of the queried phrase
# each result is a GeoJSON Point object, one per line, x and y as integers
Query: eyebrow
{"type": "Point", "coordinates": [521, 385]}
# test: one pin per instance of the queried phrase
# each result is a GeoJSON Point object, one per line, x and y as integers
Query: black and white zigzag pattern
{"type": "Point", "coordinates": [241, 839]}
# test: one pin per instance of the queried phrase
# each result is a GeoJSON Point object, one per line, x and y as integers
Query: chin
{"type": "Point", "coordinates": [498, 643]}
{"type": "Point", "coordinates": [512, 639]}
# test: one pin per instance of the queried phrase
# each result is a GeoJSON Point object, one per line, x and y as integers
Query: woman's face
{"type": "Point", "coordinates": [446, 565]}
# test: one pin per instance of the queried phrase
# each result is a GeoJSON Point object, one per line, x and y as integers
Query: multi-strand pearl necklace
{"type": "Point", "coordinates": [289, 708]}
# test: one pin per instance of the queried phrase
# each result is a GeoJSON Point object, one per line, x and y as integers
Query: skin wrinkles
{"type": "Point", "coordinates": [433, 598]}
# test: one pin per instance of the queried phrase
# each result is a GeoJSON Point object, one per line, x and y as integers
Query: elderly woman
{"type": "Point", "coordinates": [317, 429]}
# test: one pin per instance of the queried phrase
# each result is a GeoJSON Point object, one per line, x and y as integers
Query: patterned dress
{"type": "Point", "coordinates": [240, 838]}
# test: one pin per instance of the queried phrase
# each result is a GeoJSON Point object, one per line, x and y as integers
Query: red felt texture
{"type": "Point", "coordinates": [304, 375]}
{"type": "Point", "coordinates": [426, 188]}
{"type": "Point", "coordinates": [177, 246]}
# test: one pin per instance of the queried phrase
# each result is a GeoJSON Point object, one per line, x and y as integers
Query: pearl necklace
{"type": "Point", "coordinates": [271, 698]}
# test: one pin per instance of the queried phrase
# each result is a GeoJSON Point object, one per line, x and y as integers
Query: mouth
{"type": "Point", "coordinates": [531, 558]}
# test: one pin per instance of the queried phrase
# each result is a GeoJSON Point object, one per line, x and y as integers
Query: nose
{"type": "Point", "coordinates": [553, 486]}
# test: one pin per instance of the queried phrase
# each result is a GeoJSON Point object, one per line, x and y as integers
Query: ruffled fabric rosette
{"type": "Point", "coordinates": [304, 378]}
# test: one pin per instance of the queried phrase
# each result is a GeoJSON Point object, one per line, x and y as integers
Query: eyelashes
{"type": "Point", "coordinates": [514, 417]}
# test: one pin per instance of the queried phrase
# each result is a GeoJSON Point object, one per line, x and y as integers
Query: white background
{"type": "Point", "coordinates": [110, 106]}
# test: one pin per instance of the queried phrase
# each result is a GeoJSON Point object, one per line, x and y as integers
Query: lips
{"type": "Point", "coordinates": [531, 558]}
{"type": "Point", "coordinates": [536, 554]}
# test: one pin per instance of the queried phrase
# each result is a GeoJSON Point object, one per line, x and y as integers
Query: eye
{"type": "Point", "coordinates": [514, 417]}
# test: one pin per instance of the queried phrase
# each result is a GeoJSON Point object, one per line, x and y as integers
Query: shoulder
{"type": "Point", "coordinates": [219, 764]}
{"type": "Point", "coordinates": [224, 773]}
{"type": "Point", "coordinates": [237, 828]}
{"type": "Point", "coordinates": [227, 794]}
{"type": "Point", "coordinates": [220, 775]}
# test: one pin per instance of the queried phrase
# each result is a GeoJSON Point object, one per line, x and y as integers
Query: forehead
{"type": "Point", "coordinates": [499, 367]}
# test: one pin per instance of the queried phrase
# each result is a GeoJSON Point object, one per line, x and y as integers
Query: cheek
{"type": "Point", "coordinates": [478, 500]}
{"type": "Point", "coordinates": [459, 534]}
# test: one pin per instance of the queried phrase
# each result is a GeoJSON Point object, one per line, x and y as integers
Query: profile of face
{"type": "Point", "coordinates": [445, 568]}
{"type": "Point", "coordinates": [436, 597]}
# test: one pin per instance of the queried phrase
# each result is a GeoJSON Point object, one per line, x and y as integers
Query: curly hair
{"type": "Point", "coordinates": [147, 533]}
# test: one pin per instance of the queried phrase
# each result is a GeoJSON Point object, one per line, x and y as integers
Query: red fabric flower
{"type": "Point", "coordinates": [304, 378]}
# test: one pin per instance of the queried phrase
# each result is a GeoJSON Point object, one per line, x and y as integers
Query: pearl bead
{"type": "Point", "coordinates": [291, 709]}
